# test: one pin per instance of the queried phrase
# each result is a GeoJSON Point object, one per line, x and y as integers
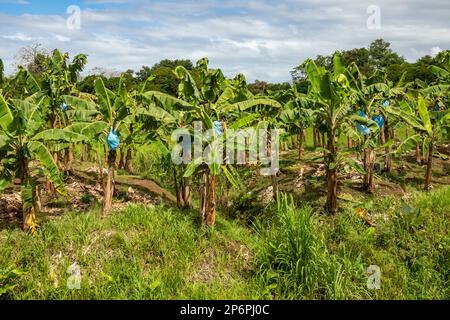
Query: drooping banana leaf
{"type": "Point", "coordinates": [49, 166]}
{"type": "Point", "coordinates": [6, 117]}
{"type": "Point", "coordinates": [60, 135]}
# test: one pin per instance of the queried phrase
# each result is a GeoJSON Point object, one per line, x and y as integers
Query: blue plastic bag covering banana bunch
{"type": "Point", "coordinates": [64, 107]}
{"type": "Point", "coordinates": [218, 128]}
{"type": "Point", "coordinates": [379, 120]}
{"type": "Point", "coordinates": [360, 127]}
{"type": "Point", "coordinates": [386, 103]}
{"type": "Point", "coordinates": [113, 140]}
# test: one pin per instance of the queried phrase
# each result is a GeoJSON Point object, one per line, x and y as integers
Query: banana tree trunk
{"type": "Point", "coordinates": [177, 188]}
{"type": "Point", "coordinates": [294, 141]}
{"type": "Point", "coordinates": [315, 138]}
{"type": "Point", "coordinates": [88, 151]}
{"type": "Point", "coordinates": [349, 143]}
{"type": "Point", "coordinates": [29, 209]}
{"type": "Point", "coordinates": [68, 158]}
{"type": "Point", "coordinates": [369, 159]}
{"type": "Point", "coordinates": [49, 185]}
{"type": "Point", "coordinates": [210, 206]}
{"type": "Point", "coordinates": [418, 154]}
{"type": "Point", "coordinates": [83, 152]}
{"type": "Point", "coordinates": [275, 186]}
{"type": "Point", "coordinates": [429, 168]}
{"type": "Point", "coordinates": [186, 193]}
{"type": "Point", "coordinates": [203, 194]}
{"type": "Point", "coordinates": [29, 212]}
{"type": "Point", "coordinates": [324, 143]}
{"type": "Point", "coordinates": [128, 161]}
{"type": "Point", "coordinates": [122, 160]}
{"type": "Point", "coordinates": [387, 150]}
{"type": "Point", "coordinates": [208, 199]}
{"type": "Point", "coordinates": [109, 185]}
{"type": "Point", "coordinates": [331, 204]}
{"type": "Point", "coordinates": [301, 140]}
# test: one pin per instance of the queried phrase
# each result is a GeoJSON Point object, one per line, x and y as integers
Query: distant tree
{"type": "Point", "coordinates": [377, 57]}
{"type": "Point", "coordinates": [187, 64]}
{"type": "Point", "coordinates": [418, 70]}
{"type": "Point", "coordinates": [146, 71]}
{"type": "Point", "coordinates": [324, 61]}
{"type": "Point", "coordinates": [280, 86]}
{"type": "Point", "coordinates": [258, 87]}
{"type": "Point", "coordinates": [360, 56]}
{"type": "Point", "coordinates": [87, 84]}
{"type": "Point", "coordinates": [421, 70]}
{"type": "Point", "coordinates": [33, 58]}
{"type": "Point", "coordinates": [298, 74]}
{"type": "Point", "coordinates": [262, 87]}
{"type": "Point", "coordinates": [165, 81]}
{"type": "Point", "coordinates": [381, 55]}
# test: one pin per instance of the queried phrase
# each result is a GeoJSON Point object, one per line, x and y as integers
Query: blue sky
{"type": "Point", "coordinates": [263, 39]}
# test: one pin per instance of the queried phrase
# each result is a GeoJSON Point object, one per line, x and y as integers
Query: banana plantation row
{"type": "Point", "coordinates": [43, 121]}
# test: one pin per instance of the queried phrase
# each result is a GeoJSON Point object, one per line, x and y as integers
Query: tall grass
{"type": "Point", "coordinates": [296, 264]}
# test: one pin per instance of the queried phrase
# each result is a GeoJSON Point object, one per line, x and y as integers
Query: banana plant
{"type": "Point", "coordinates": [442, 71]}
{"type": "Point", "coordinates": [297, 115]}
{"type": "Point", "coordinates": [22, 85]}
{"type": "Point", "coordinates": [23, 144]}
{"type": "Point", "coordinates": [208, 100]}
{"type": "Point", "coordinates": [159, 118]}
{"type": "Point", "coordinates": [368, 95]}
{"type": "Point", "coordinates": [330, 90]}
{"type": "Point", "coordinates": [269, 118]}
{"type": "Point", "coordinates": [132, 136]}
{"type": "Point", "coordinates": [429, 129]}
{"type": "Point", "coordinates": [104, 120]}
{"type": "Point", "coordinates": [60, 79]}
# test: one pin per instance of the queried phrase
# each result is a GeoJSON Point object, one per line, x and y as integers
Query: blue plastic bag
{"type": "Point", "coordinates": [386, 103]}
{"type": "Point", "coordinates": [218, 128]}
{"type": "Point", "coordinates": [113, 140]}
{"type": "Point", "coordinates": [379, 120]}
{"type": "Point", "coordinates": [360, 127]}
{"type": "Point", "coordinates": [64, 107]}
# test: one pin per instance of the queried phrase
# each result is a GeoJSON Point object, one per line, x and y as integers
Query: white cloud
{"type": "Point", "coordinates": [435, 50]}
{"type": "Point", "coordinates": [18, 36]}
{"type": "Point", "coordinates": [62, 38]}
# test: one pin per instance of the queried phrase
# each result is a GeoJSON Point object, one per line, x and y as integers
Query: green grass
{"type": "Point", "coordinates": [139, 253]}
{"type": "Point", "coordinates": [291, 252]}
{"type": "Point", "coordinates": [310, 256]}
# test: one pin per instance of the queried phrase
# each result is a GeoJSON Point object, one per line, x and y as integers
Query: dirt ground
{"type": "Point", "coordinates": [84, 192]}
{"type": "Point", "coordinates": [306, 180]}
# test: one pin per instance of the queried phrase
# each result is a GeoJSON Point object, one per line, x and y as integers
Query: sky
{"type": "Point", "coordinates": [263, 39]}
